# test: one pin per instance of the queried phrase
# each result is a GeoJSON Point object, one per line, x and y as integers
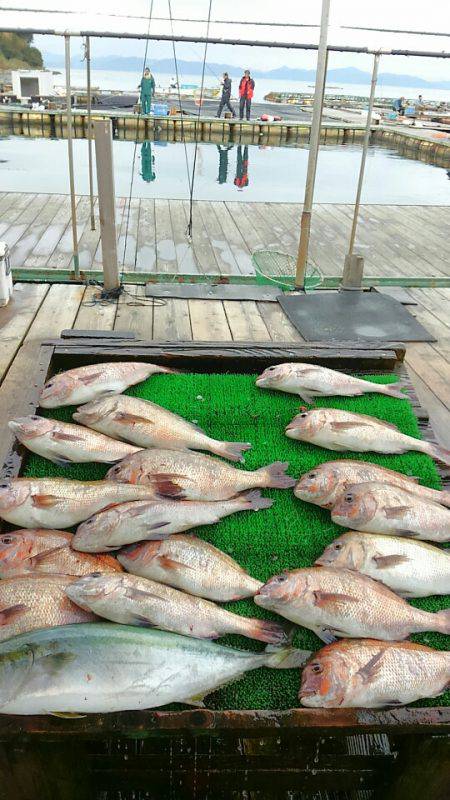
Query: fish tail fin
{"type": "Point", "coordinates": [169, 370]}
{"type": "Point", "coordinates": [393, 390]}
{"type": "Point", "coordinates": [264, 631]}
{"type": "Point", "coordinates": [442, 621]}
{"type": "Point", "coordinates": [254, 501]}
{"type": "Point", "coordinates": [286, 657]}
{"type": "Point", "coordinates": [439, 453]}
{"type": "Point", "coordinates": [275, 475]}
{"type": "Point", "coordinates": [231, 450]}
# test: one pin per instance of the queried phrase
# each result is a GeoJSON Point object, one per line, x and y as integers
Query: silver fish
{"type": "Point", "coordinates": [192, 565]}
{"type": "Point", "coordinates": [155, 519]}
{"type": "Point", "coordinates": [310, 380]}
{"type": "Point", "coordinates": [101, 668]}
{"type": "Point", "coordinates": [326, 482]}
{"type": "Point", "coordinates": [83, 384]}
{"type": "Point", "coordinates": [339, 602]}
{"type": "Point", "coordinates": [148, 425]}
{"type": "Point", "coordinates": [342, 430]}
{"type": "Point", "coordinates": [132, 600]}
{"type": "Point", "coordinates": [61, 503]}
{"type": "Point", "coordinates": [194, 476]}
{"type": "Point", "coordinates": [382, 508]}
{"type": "Point", "coordinates": [65, 443]}
{"type": "Point", "coordinates": [410, 568]}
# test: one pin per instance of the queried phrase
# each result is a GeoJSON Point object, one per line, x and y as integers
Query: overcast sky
{"type": "Point", "coordinates": [433, 15]}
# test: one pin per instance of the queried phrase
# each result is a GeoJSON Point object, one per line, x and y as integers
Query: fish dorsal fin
{"type": "Point", "coordinates": [67, 715]}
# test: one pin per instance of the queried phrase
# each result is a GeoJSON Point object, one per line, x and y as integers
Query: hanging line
{"type": "Point", "coordinates": [136, 142]}
{"type": "Point", "coordinates": [202, 86]}
{"type": "Point", "coordinates": [177, 78]}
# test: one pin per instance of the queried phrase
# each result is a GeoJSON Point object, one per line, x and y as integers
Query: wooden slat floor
{"type": "Point", "coordinates": [40, 310]}
{"type": "Point", "coordinates": [401, 241]}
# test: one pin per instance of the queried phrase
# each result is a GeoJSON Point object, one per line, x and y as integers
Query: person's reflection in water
{"type": "Point", "coordinates": [241, 179]}
{"type": "Point", "coordinates": [147, 162]}
{"type": "Point", "coordinates": [223, 162]}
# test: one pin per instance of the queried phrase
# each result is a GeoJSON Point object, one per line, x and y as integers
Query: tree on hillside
{"type": "Point", "coordinates": [16, 51]}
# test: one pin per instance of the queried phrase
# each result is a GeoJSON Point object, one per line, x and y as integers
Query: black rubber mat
{"type": "Point", "coordinates": [351, 316]}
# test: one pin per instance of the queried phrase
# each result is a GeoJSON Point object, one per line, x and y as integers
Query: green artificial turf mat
{"type": "Point", "coordinates": [292, 533]}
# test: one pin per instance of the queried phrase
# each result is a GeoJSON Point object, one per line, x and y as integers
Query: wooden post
{"type": "Point", "coordinates": [89, 125]}
{"type": "Point", "coordinates": [364, 153]}
{"type": "Point", "coordinates": [314, 141]}
{"type": "Point", "coordinates": [106, 201]}
{"type": "Point", "coordinates": [73, 205]}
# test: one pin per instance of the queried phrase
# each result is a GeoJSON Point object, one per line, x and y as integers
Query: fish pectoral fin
{"type": "Point", "coordinates": [196, 701]}
{"type": "Point", "coordinates": [383, 562]}
{"type": "Point", "coordinates": [41, 557]}
{"type": "Point", "coordinates": [53, 662]}
{"type": "Point", "coordinates": [61, 462]}
{"type": "Point", "coordinates": [170, 563]}
{"type": "Point", "coordinates": [307, 398]}
{"type": "Point", "coordinates": [67, 715]}
{"type": "Point", "coordinates": [325, 635]}
{"type": "Point", "coordinates": [141, 621]}
{"type": "Point", "coordinates": [348, 426]}
{"type": "Point", "coordinates": [132, 594]}
{"type": "Point", "coordinates": [11, 613]}
{"type": "Point", "coordinates": [166, 485]}
{"type": "Point", "coordinates": [371, 668]}
{"type": "Point", "coordinates": [395, 512]}
{"type": "Point", "coordinates": [322, 599]}
{"type": "Point", "coordinates": [44, 500]}
{"type": "Point", "coordinates": [134, 419]}
{"type": "Point", "coordinates": [406, 532]}
{"type": "Point", "coordinates": [87, 379]}
{"type": "Point", "coordinates": [138, 512]}
{"type": "Point", "coordinates": [59, 436]}
{"type": "Point", "coordinates": [157, 525]}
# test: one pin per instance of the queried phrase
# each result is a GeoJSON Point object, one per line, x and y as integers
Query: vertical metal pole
{"type": "Point", "coordinates": [89, 125]}
{"type": "Point", "coordinates": [73, 205]}
{"type": "Point", "coordinates": [314, 141]}
{"type": "Point", "coordinates": [364, 152]}
{"type": "Point", "coordinates": [106, 202]}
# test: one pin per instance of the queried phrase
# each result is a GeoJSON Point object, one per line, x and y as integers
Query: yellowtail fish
{"type": "Point", "coordinates": [339, 602]}
{"type": "Point", "coordinates": [155, 519]}
{"type": "Point", "coordinates": [83, 384]}
{"type": "Point", "coordinates": [37, 601]}
{"type": "Point", "coordinates": [38, 550]}
{"type": "Point", "coordinates": [132, 600]}
{"type": "Point", "coordinates": [61, 503]}
{"type": "Point", "coordinates": [65, 443]}
{"type": "Point", "coordinates": [326, 482]}
{"type": "Point", "coordinates": [194, 476]}
{"type": "Point", "coordinates": [366, 673]}
{"type": "Point", "coordinates": [148, 425]}
{"type": "Point", "coordinates": [102, 668]}
{"type": "Point", "coordinates": [410, 568]}
{"type": "Point", "coordinates": [310, 380]}
{"type": "Point", "coordinates": [382, 508]}
{"type": "Point", "coordinates": [192, 565]}
{"type": "Point", "coordinates": [342, 430]}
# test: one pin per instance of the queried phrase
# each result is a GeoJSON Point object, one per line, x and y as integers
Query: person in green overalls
{"type": "Point", "coordinates": [147, 162]}
{"type": "Point", "coordinates": [147, 87]}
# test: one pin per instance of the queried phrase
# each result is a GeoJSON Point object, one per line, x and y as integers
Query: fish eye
{"type": "Point", "coordinates": [348, 498]}
{"type": "Point", "coordinates": [312, 475]}
{"type": "Point", "coordinates": [281, 578]}
{"type": "Point", "coordinates": [49, 385]}
{"type": "Point", "coordinates": [316, 667]}
{"type": "Point", "coordinates": [95, 575]}
{"type": "Point", "coordinates": [304, 414]}
{"type": "Point", "coordinates": [338, 546]}
{"type": "Point", "coordinates": [6, 540]}
{"type": "Point", "coordinates": [4, 485]}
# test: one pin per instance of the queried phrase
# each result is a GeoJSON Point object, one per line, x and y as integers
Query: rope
{"type": "Point", "coordinates": [202, 86]}
{"type": "Point", "coordinates": [127, 224]}
{"type": "Point", "coordinates": [179, 96]}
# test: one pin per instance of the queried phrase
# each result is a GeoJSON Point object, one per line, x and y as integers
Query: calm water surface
{"type": "Point", "coordinates": [227, 172]}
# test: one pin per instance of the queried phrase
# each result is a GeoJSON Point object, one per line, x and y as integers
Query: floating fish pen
{"type": "Point", "coordinates": [250, 736]}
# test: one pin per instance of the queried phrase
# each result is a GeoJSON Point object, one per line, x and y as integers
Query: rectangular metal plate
{"type": "Point", "coordinates": [213, 291]}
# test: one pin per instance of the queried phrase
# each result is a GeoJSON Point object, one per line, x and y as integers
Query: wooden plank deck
{"type": "Point", "coordinates": [396, 241]}
{"type": "Point", "coordinates": [39, 311]}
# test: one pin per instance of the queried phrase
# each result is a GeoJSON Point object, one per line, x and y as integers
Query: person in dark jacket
{"type": "Point", "coordinates": [223, 162]}
{"type": "Point", "coordinates": [226, 95]}
{"type": "Point", "coordinates": [246, 89]}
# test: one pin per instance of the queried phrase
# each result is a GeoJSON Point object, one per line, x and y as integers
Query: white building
{"type": "Point", "coordinates": [28, 83]}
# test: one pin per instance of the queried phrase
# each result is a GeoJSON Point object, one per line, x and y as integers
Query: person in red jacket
{"type": "Point", "coordinates": [246, 88]}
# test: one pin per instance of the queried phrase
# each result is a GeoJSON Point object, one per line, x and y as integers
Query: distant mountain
{"type": "Point", "coordinates": [346, 75]}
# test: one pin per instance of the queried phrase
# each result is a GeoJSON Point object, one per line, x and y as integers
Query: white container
{"type": "Point", "coordinates": [6, 284]}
